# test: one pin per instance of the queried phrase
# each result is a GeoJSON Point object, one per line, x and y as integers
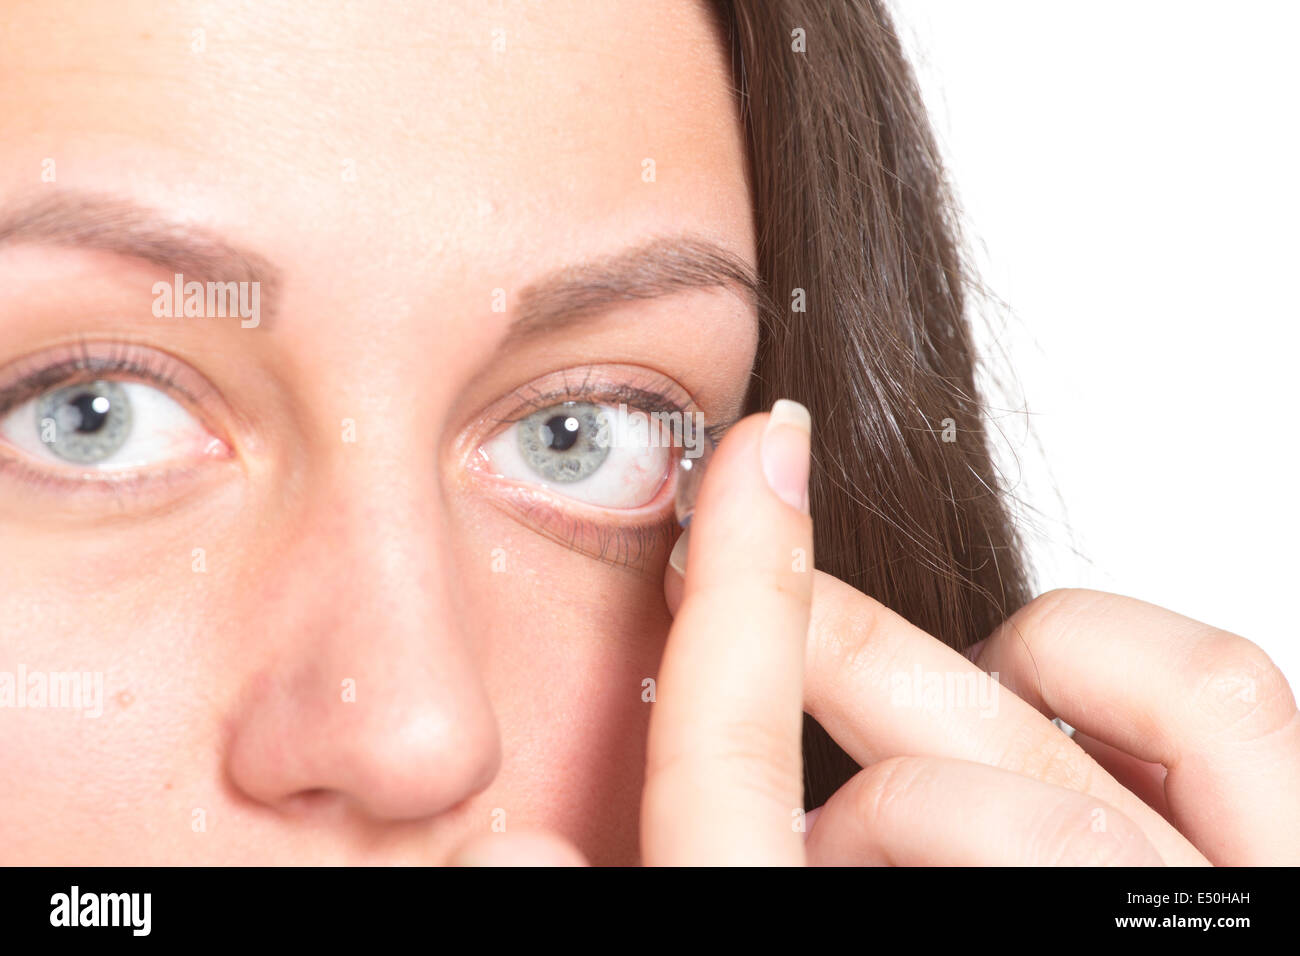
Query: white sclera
{"type": "Point", "coordinates": [690, 474]}
{"type": "Point", "coordinates": [162, 430]}
{"type": "Point", "coordinates": [630, 476]}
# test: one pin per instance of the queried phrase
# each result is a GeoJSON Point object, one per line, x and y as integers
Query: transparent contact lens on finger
{"type": "Point", "coordinates": [690, 475]}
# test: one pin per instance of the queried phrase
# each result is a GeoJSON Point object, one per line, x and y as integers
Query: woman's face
{"type": "Point", "coordinates": [337, 610]}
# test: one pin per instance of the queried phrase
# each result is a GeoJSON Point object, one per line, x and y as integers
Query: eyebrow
{"type": "Point", "coordinates": [658, 268]}
{"type": "Point", "coordinates": [573, 294]}
{"type": "Point", "coordinates": [125, 228]}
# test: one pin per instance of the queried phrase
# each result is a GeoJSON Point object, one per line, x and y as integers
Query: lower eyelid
{"type": "Point", "coordinates": [127, 495]}
{"type": "Point", "coordinates": [635, 547]}
{"type": "Point", "coordinates": [523, 494]}
{"type": "Point", "coordinates": [138, 491]}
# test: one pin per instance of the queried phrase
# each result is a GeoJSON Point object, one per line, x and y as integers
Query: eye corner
{"type": "Point", "coordinates": [112, 415]}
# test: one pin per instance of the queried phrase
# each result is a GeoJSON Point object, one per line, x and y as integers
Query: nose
{"type": "Point", "coordinates": [365, 690]}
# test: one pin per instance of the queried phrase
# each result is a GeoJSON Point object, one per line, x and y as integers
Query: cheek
{"type": "Point", "coordinates": [93, 718]}
{"type": "Point", "coordinates": [123, 625]}
{"type": "Point", "coordinates": [567, 645]}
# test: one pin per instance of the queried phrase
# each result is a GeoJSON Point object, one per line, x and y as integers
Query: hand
{"type": "Point", "coordinates": [1188, 742]}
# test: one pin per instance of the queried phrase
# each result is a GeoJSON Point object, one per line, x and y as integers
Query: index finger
{"type": "Point", "coordinates": [724, 779]}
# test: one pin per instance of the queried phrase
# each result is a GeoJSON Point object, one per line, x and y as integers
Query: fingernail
{"type": "Point", "coordinates": [785, 451]}
{"type": "Point", "coordinates": [678, 558]}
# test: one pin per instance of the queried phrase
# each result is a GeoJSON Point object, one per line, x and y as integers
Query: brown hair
{"type": "Point", "coordinates": [853, 209]}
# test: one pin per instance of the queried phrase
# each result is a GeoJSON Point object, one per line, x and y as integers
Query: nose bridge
{"type": "Point", "coordinates": [374, 694]}
{"type": "Point", "coordinates": [383, 521]}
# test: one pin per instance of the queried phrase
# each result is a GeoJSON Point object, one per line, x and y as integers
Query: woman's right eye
{"type": "Point", "coordinates": [599, 454]}
{"type": "Point", "coordinates": [105, 425]}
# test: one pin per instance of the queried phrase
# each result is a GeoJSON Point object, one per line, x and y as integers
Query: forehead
{"type": "Point", "coordinates": [492, 128]}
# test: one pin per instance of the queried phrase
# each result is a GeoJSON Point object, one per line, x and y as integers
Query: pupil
{"type": "Point", "coordinates": [93, 409]}
{"type": "Point", "coordinates": [563, 432]}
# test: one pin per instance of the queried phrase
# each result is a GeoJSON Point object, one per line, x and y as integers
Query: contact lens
{"type": "Point", "coordinates": [690, 475]}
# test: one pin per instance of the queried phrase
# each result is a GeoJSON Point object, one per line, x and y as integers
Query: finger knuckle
{"type": "Point", "coordinates": [757, 755]}
{"type": "Point", "coordinates": [1075, 833]}
{"type": "Point", "coordinates": [742, 756]}
{"type": "Point", "coordinates": [1047, 755]}
{"type": "Point", "coordinates": [885, 787]}
{"type": "Point", "coordinates": [850, 645]}
{"type": "Point", "coordinates": [1235, 688]}
{"type": "Point", "coordinates": [1051, 615]}
{"type": "Point", "coordinates": [758, 591]}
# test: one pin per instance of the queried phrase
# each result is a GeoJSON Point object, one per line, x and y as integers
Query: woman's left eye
{"type": "Point", "coordinates": [105, 425]}
{"type": "Point", "coordinates": [599, 454]}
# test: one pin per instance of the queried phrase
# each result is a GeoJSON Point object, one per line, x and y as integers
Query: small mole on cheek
{"type": "Point", "coordinates": [125, 699]}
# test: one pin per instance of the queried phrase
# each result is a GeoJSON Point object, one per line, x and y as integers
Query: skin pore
{"type": "Point", "coordinates": [393, 177]}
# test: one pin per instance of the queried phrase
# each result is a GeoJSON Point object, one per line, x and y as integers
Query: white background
{"type": "Point", "coordinates": [1128, 172]}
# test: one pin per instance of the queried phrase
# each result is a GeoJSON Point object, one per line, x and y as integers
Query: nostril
{"type": "Point", "coordinates": [313, 800]}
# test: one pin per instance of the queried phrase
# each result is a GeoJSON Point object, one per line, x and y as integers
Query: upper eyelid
{"type": "Point", "coordinates": [77, 362]}
{"type": "Point", "coordinates": [629, 394]}
{"type": "Point", "coordinates": [69, 373]}
{"type": "Point", "coordinates": [643, 392]}
{"type": "Point", "coordinates": [84, 360]}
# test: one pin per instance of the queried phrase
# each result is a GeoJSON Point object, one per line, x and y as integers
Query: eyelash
{"type": "Point", "coordinates": [627, 546]}
{"type": "Point", "coordinates": [84, 367]}
{"type": "Point", "coordinates": [85, 360]}
{"type": "Point", "coordinates": [646, 398]}
{"type": "Point", "coordinates": [622, 546]}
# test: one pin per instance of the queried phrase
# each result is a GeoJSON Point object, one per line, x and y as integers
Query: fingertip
{"type": "Point", "coordinates": [751, 517]}
{"type": "Point", "coordinates": [786, 452]}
